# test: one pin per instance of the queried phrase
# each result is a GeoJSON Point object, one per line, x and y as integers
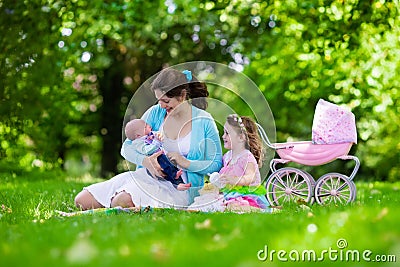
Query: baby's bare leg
{"type": "Point", "coordinates": [178, 173]}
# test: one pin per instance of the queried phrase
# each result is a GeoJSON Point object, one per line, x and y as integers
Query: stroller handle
{"type": "Point", "coordinates": [264, 136]}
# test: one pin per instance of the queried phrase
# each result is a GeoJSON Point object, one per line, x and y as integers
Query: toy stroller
{"type": "Point", "coordinates": [333, 134]}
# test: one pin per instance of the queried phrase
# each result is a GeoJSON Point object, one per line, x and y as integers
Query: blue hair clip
{"type": "Point", "coordinates": [188, 75]}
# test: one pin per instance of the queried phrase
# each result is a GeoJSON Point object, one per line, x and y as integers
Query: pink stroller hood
{"type": "Point", "coordinates": [333, 124]}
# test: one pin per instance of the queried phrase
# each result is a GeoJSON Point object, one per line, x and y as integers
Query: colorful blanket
{"type": "Point", "coordinates": [107, 211]}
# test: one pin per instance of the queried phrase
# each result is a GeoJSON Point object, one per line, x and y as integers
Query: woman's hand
{"type": "Point", "coordinates": [178, 159]}
{"type": "Point", "coordinates": [159, 136]}
{"type": "Point", "coordinates": [152, 165]}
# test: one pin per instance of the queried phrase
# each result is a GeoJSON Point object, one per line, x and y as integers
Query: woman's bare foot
{"type": "Point", "coordinates": [122, 199]}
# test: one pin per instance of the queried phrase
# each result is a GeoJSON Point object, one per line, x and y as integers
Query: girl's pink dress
{"type": "Point", "coordinates": [235, 198]}
{"type": "Point", "coordinates": [237, 166]}
{"type": "Point", "coordinates": [252, 195]}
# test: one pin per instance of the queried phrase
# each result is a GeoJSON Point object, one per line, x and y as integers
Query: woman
{"type": "Point", "coordinates": [190, 138]}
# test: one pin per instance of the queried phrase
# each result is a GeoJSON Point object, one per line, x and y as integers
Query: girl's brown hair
{"type": "Point", "coordinates": [172, 82]}
{"type": "Point", "coordinates": [245, 125]}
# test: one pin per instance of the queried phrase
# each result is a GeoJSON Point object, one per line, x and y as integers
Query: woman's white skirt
{"type": "Point", "coordinates": [144, 190]}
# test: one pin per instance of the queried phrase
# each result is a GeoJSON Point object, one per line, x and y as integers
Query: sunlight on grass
{"type": "Point", "coordinates": [32, 233]}
{"type": "Point", "coordinates": [86, 178]}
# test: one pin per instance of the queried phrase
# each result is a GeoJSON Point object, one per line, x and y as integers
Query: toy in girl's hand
{"type": "Point", "coordinates": [215, 179]}
{"type": "Point", "coordinates": [209, 188]}
{"type": "Point", "coordinates": [209, 199]}
{"type": "Point", "coordinates": [147, 142]}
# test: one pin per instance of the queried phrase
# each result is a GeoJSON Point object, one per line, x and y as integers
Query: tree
{"type": "Point", "coordinates": [343, 51]}
{"type": "Point", "coordinates": [69, 68]}
{"type": "Point", "coordinates": [27, 92]}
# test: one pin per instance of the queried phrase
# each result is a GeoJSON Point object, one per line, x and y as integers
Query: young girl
{"type": "Point", "coordinates": [240, 176]}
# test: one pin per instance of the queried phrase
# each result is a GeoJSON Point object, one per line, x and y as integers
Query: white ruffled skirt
{"type": "Point", "coordinates": [144, 190]}
{"type": "Point", "coordinates": [208, 203]}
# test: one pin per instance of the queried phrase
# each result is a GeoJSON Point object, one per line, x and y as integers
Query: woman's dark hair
{"type": "Point", "coordinates": [245, 125]}
{"type": "Point", "coordinates": [172, 82]}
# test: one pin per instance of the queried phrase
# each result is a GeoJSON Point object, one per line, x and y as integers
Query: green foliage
{"type": "Point", "coordinates": [342, 51]}
{"type": "Point", "coordinates": [37, 101]}
{"type": "Point", "coordinates": [63, 63]}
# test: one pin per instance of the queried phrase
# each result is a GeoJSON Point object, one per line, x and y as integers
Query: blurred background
{"type": "Point", "coordinates": [68, 70]}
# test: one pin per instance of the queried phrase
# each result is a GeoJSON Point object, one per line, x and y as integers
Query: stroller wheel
{"type": "Point", "coordinates": [289, 185]}
{"type": "Point", "coordinates": [335, 188]}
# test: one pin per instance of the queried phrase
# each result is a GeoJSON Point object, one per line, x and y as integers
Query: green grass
{"type": "Point", "coordinates": [32, 234]}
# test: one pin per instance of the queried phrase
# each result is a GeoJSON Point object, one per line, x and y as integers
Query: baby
{"type": "Point", "coordinates": [147, 142]}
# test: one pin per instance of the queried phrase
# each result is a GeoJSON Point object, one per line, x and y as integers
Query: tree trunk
{"type": "Point", "coordinates": [111, 87]}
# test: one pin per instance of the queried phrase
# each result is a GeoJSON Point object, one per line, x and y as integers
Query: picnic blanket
{"type": "Point", "coordinates": [107, 211]}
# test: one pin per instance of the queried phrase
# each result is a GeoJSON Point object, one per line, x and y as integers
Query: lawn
{"type": "Point", "coordinates": [32, 234]}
